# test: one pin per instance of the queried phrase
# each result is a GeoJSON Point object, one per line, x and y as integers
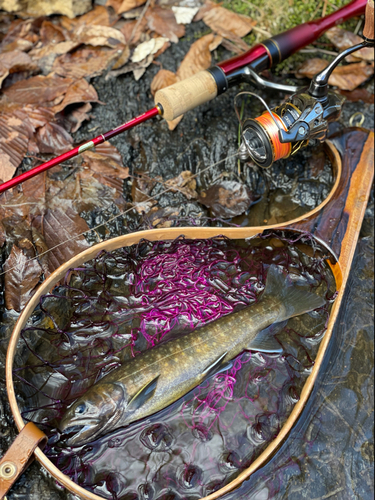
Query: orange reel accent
{"type": "Point", "coordinates": [280, 149]}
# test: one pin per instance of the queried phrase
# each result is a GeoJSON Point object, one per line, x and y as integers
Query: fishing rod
{"type": "Point", "coordinates": [176, 100]}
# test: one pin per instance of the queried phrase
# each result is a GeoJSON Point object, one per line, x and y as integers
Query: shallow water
{"type": "Point", "coordinates": [139, 297]}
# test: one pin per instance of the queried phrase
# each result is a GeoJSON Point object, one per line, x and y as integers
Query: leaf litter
{"type": "Point", "coordinates": [46, 64]}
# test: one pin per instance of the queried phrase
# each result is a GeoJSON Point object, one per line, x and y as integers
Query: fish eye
{"type": "Point", "coordinates": [80, 409]}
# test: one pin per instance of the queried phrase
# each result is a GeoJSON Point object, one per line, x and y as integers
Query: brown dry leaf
{"type": "Point", "coordinates": [52, 138]}
{"type": "Point", "coordinates": [123, 59]}
{"type": "Point", "coordinates": [35, 188]}
{"type": "Point", "coordinates": [164, 78]}
{"type": "Point", "coordinates": [74, 119]}
{"type": "Point", "coordinates": [199, 56]}
{"type": "Point", "coordinates": [98, 15]}
{"type": "Point", "coordinates": [21, 35]}
{"type": "Point", "coordinates": [343, 39]}
{"type": "Point", "coordinates": [347, 77]}
{"type": "Point", "coordinates": [14, 140]}
{"type": "Point", "coordinates": [145, 49]}
{"type": "Point", "coordinates": [184, 183]}
{"type": "Point", "coordinates": [99, 36]}
{"type": "Point", "coordinates": [21, 278]}
{"type": "Point", "coordinates": [106, 170]}
{"type": "Point", "coordinates": [16, 61]}
{"type": "Point", "coordinates": [2, 235]}
{"type": "Point", "coordinates": [36, 8]}
{"type": "Point", "coordinates": [59, 226]}
{"type": "Point", "coordinates": [121, 6]}
{"type": "Point", "coordinates": [110, 151]}
{"type": "Point", "coordinates": [45, 56]}
{"type": "Point", "coordinates": [38, 89]}
{"type": "Point", "coordinates": [351, 76]}
{"type": "Point", "coordinates": [79, 91]}
{"type": "Point", "coordinates": [51, 33]}
{"type": "Point", "coordinates": [133, 31]}
{"type": "Point", "coordinates": [227, 23]}
{"type": "Point", "coordinates": [163, 22]}
{"type": "Point", "coordinates": [84, 62]}
{"type": "Point", "coordinates": [103, 165]}
{"type": "Point", "coordinates": [358, 95]}
{"type": "Point", "coordinates": [208, 5]}
{"type": "Point", "coordinates": [227, 199]}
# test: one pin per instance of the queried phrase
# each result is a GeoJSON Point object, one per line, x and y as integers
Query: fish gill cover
{"type": "Point", "coordinates": [127, 301]}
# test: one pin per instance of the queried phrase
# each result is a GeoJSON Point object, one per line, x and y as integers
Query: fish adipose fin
{"type": "Point", "coordinates": [143, 395]}
{"type": "Point", "coordinates": [295, 300]}
{"type": "Point", "coordinates": [265, 340]}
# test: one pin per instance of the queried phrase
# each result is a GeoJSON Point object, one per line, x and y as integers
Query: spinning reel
{"type": "Point", "coordinates": [284, 130]}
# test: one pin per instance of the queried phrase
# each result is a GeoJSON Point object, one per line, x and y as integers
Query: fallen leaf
{"type": "Point", "coordinates": [123, 59]}
{"type": "Point", "coordinates": [99, 36]}
{"type": "Point", "coordinates": [110, 151]}
{"type": "Point", "coordinates": [351, 76]}
{"type": "Point", "coordinates": [16, 61]}
{"type": "Point", "coordinates": [162, 79]}
{"type": "Point", "coordinates": [21, 278]}
{"type": "Point", "coordinates": [343, 39]}
{"type": "Point", "coordinates": [78, 92]}
{"type": "Point", "coordinates": [121, 6]}
{"type": "Point", "coordinates": [138, 69]}
{"type": "Point", "coordinates": [358, 95]}
{"type": "Point", "coordinates": [35, 188]}
{"type": "Point", "coordinates": [142, 187]}
{"type": "Point", "coordinates": [98, 15]}
{"type": "Point", "coordinates": [185, 15]}
{"type": "Point", "coordinates": [72, 120]}
{"type": "Point", "coordinates": [45, 56]}
{"type": "Point", "coordinates": [163, 22]}
{"type": "Point", "coordinates": [70, 8]}
{"type": "Point", "coordinates": [2, 235]}
{"type": "Point", "coordinates": [38, 89]}
{"type": "Point", "coordinates": [51, 33]}
{"type": "Point", "coordinates": [184, 183]}
{"type": "Point", "coordinates": [14, 140]}
{"type": "Point", "coordinates": [84, 62]}
{"type": "Point", "coordinates": [347, 77]}
{"type": "Point", "coordinates": [52, 138]}
{"type": "Point", "coordinates": [106, 170]}
{"type": "Point", "coordinates": [199, 56]}
{"type": "Point", "coordinates": [208, 5]}
{"type": "Point", "coordinates": [148, 48]}
{"type": "Point", "coordinates": [134, 30]}
{"type": "Point", "coordinates": [227, 23]}
{"type": "Point", "coordinates": [104, 165]}
{"type": "Point", "coordinates": [61, 226]}
{"type": "Point", "coordinates": [227, 199]}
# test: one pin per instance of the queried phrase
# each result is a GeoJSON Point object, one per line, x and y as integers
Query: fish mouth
{"type": "Point", "coordinates": [80, 434]}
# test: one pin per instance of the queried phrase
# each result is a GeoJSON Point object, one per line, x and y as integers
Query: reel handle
{"type": "Point", "coordinates": [368, 31]}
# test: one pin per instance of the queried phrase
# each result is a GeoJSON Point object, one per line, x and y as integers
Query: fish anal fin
{"type": "Point", "coordinates": [217, 366]}
{"type": "Point", "coordinates": [143, 395]}
{"type": "Point", "coordinates": [265, 341]}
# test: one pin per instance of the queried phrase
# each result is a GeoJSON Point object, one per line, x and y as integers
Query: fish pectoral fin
{"type": "Point", "coordinates": [265, 340]}
{"type": "Point", "coordinates": [217, 366]}
{"type": "Point", "coordinates": [143, 395]}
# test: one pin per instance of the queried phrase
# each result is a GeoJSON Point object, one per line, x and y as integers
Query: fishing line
{"type": "Point", "coordinates": [175, 188]}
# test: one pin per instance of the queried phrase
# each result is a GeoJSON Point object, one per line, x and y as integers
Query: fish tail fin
{"type": "Point", "coordinates": [294, 299]}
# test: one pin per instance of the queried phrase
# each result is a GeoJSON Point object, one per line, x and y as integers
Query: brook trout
{"type": "Point", "coordinates": [159, 377]}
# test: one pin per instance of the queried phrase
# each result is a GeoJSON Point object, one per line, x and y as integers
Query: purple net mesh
{"type": "Point", "coordinates": [124, 302]}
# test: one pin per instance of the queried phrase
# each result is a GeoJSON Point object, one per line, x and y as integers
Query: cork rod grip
{"type": "Point", "coordinates": [368, 30]}
{"type": "Point", "coordinates": [186, 95]}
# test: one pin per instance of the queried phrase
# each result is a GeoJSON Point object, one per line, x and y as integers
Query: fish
{"type": "Point", "coordinates": [160, 376]}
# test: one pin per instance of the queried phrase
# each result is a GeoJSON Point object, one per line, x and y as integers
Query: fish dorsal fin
{"type": "Point", "coordinates": [143, 395]}
{"type": "Point", "coordinates": [265, 340]}
{"type": "Point", "coordinates": [217, 366]}
{"type": "Point", "coordinates": [295, 300]}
